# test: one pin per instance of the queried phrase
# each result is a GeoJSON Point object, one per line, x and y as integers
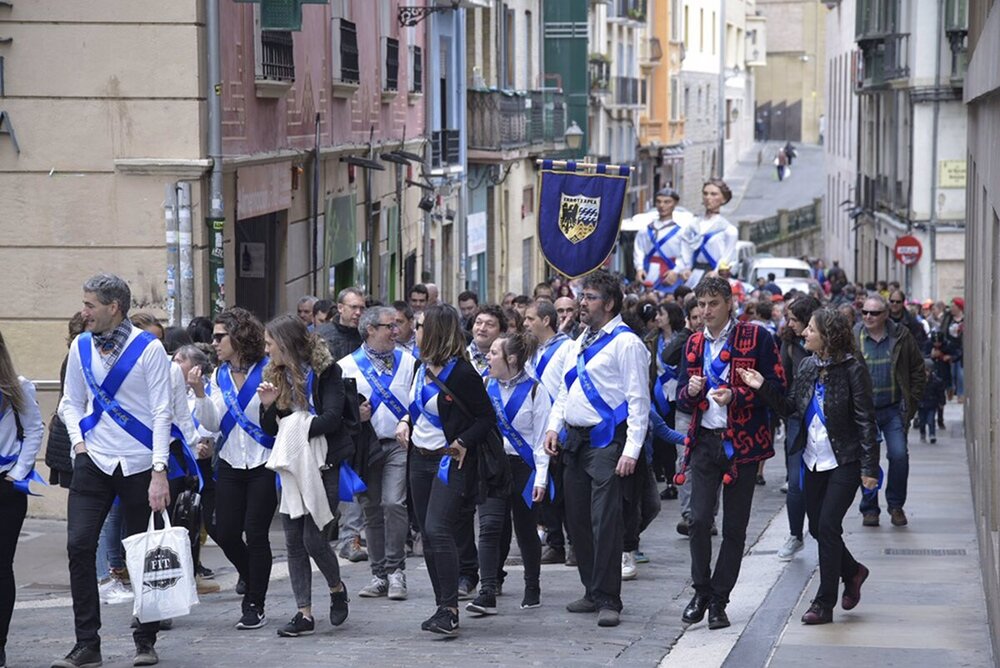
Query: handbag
{"type": "Point", "coordinates": [162, 571]}
{"type": "Point", "coordinates": [495, 477]}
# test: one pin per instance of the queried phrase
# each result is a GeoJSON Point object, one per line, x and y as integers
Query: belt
{"type": "Point", "coordinates": [440, 452]}
{"type": "Point", "coordinates": [721, 433]}
{"type": "Point", "coordinates": [586, 430]}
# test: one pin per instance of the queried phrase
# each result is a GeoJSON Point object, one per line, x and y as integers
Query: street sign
{"type": "Point", "coordinates": [908, 250]}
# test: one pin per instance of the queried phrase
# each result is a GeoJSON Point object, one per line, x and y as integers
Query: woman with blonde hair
{"type": "Point", "coordinates": [21, 429]}
{"type": "Point", "coordinates": [303, 380]}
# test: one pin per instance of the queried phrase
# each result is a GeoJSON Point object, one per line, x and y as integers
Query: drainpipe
{"type": "Point", "coordinates": [173, 260]}
{"type": "Point", "coordinates": [213, 94]}
{"type": "Point", "coordinates": [722, 91]}
{"type": "Point", "coordinates": [932, 222]}
{"type": "Point", "coordinates": [315, 210]}
{"type": "Point", "coordinates": [186, 273]}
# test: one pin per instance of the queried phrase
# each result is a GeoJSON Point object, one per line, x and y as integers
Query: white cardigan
{"type": "Point", "coordinates": [298, 459]}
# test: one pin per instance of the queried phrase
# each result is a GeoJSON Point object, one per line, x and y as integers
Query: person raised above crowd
{"type": "Point", "coordinates": [658, 250]}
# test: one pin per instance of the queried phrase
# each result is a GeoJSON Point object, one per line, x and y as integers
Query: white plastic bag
{"type": "Point", "coordinates": [162, 573]}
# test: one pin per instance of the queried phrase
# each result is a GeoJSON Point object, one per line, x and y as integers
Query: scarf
{"type": "Point", "coordinates": [382, 361]}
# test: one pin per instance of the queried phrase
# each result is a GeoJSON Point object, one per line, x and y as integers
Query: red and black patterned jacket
{"type": "Point", "coordinates": [749, 420]}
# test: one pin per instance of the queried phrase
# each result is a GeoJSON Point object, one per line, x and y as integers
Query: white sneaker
{"type": "Point", "coordinates": [629, 571]}
{"type": "Point", "coordinates": [376, 588]}
{"type": "Point", "coordinates": [114, 591]}
{"type": "Point", "coordinates": [397, 586]}
{"type": "Point", "coordinates": [791, 546]}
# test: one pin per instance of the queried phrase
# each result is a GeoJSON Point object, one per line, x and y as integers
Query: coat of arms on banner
{"type": "Point", "coordinates": [578, 216]}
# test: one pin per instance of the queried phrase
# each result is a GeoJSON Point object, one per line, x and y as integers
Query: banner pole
{"type": "Point", "coordinates": [580, 165]}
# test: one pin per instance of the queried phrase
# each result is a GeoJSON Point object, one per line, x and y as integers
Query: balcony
{"type": "Point", "coordinates": [626, 91]}
{"type": "Point", "coordinates": [276, 58]}
{"type": "Point", "coordinates": [506, 121]}
{"type": "Point", "coordinates": [886, 59]}
{"type": "Point", "coordinates": [633, 10]}
{"type": "Point", "coordinates": [875, 19]}
{"type": "Point", "coordinates": [445, 148]}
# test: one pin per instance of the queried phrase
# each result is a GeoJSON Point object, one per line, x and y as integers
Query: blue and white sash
{"type": "Point", "coordinates": [381, 383]}
{"type": "Point", "coordinates": [714, 370]}
{"type": "Point", "coordinates": [505, 420]}
{"type": "Point", "coordinates": [657, 248]}
{"type": "Point", "coordinates": [660, 399]}
{"type": "Point", "coordinates": [20, 485]}
{"type": "Point", "coordinates": [543, 361]}
{"type": "Point", "coordinates": [236, 405]}
{"type": "Point", "coordinates": [424, 394]}
{"type": "Point", "coordinates": [602, 434]}
{"type": "Point", "coordinates": [350, 482]}
{"type": "Point", "coordinates": [703, 251]}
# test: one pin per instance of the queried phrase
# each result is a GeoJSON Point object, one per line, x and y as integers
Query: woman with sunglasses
{"type": "Point", "coordinates": [831, 399]}
{"type": "Point", "coordinates": [522, 409]}
{"type": "Point", "coordinates": [245, 493]}
{"type": "Point", "coordinates": [793, 351]}
{"type": "Point", "coordinates": [302, 377]}
{"type": "Point", "coordinates": [444, 435]}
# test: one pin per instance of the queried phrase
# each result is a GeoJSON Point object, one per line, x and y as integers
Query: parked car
{"type": "Point", "coordinates": [790, 273]}
{"type": "Point", "coordinates": [744, 251]}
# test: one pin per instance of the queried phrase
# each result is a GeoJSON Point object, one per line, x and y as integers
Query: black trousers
{"type": "Point", "coordinates": [90, 497]}
{"type": "Point", "coordinates": [594, 513]}
{"type": "Point", "coordinates": [640, 503]}
{"type": "Point", "coordinates": [829, 494]}
{"type": "Point", "coordinates": [553, 511]}
{"type": "Point", "coordinates": [495, 523]}
{"type": "Point", "coordinates": [245, 503]}
{"type": "Point", "coordinates": [13, 507]}
{"type": "Point", "coordinates": [708, 464]}
{"type": "Point", "coordinates": [437, 507]}
{"type": "Point", "coordinates": [465, 540]}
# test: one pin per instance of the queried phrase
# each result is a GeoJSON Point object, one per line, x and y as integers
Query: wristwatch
{"type": "Point", "coordinates": [159, 467]}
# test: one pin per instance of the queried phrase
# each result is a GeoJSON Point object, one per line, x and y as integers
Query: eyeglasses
{"type": "Point", "coordinates": [871, 313]}
{"type": "Point", "coordinates": [390, 325]}
{"type": "Point", "coordinates": [895, 301]}
{"type": "Point", "coordinates": [591, 297]}
{"type": "Point", "coordinates": [216, 337]}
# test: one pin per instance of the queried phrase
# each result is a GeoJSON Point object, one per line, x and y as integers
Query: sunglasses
{"type": "Point", "coordinates": [895, 301]}
{"type": "Point", "coordinates": [872, 313]}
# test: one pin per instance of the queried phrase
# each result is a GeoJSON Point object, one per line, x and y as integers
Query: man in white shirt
{"type": "Point", "coordinates": [116, 406]}
{"type": "Point", "coordinates": [606, 385]}
{"type": "Point", "coordinates": [657, 251]}
{"type": "Point", "coordinates": [384, 374]}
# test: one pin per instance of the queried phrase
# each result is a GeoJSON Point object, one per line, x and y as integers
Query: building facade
{"type": "Point", "coordinates": [982, 298]}
{"type": "Point", "coordinates": [790, 90]}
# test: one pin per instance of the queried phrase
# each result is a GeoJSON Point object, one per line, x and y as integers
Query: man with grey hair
{"type": "Point", "coordinates": [305, 309]}
{"type": "Point", "coordinates": [116, 406]}
{"type": "Point", "coordinates": [384, 373]}
{"type": "Point", "coordinates": [898, 380]}
{"type": "Point", "coordinates": [433, 294]}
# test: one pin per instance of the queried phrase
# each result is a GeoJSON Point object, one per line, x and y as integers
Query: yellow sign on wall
{"type": "Point", "coordinates": [951, 173]}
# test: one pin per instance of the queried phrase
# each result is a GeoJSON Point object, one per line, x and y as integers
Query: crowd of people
{"type": "Point", "coordinates": [379, 431]}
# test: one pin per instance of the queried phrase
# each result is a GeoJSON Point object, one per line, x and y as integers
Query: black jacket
{"type": "Point", "coordinates": [466, 384]}
{"type": "Point", "coordinates": [329, 400]}
{"type": "Point", "coordinates": [341, 340]}
{"type": "Point", "coordinates": [850, 413]}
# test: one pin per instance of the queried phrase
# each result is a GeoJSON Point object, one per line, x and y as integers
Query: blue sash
{"type": "Point", "coordinates": [669, 373]}
{"type": "Point", "coordinates": [380, 383]}
{"type": "Point", "coordinates": [550, 352]}
{"type": "Point", "coordinates": [714, 368]}
{"type": "Point", "coordinates": [236, 405]}
{"type": "Point", "coordinates": [20, 485]}
{"type": "Point", "coordinates": [815, 409]}
{"type": "Point", "coordinates": [350, 482]}
{"type": "Point", "coordinates": [703, 250]}
{"type": "Point", "coordinates": [174, 468]}
{"type": "Point", "coordinates": [505, 420]}
{"type": "Point", "coordinates": [602, 434]}
{"type": "Point", "coordinates": [424, 393]}
{"type": "Point", "coordinates": [657, 249]}
{"type": "Point", "coordinates": [104, 394]}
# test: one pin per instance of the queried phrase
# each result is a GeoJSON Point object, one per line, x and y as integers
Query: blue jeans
{"type": "Point", "coordinates": [110, 553]}
{"type": "Point", "coordinates": [890, 425]}
{"type": "Point", "coordinates": [795, 504]}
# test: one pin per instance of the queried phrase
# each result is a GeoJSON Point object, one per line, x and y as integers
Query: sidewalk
{"type": "Point", "coordinates": [757, 193]}
{"type": "Point", "coordinates": [922, 605]}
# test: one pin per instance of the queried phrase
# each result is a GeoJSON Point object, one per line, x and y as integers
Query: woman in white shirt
{"type": "Point", "coordinates": [522, 409]}
{"type": "Point", "coordinates": [21, 431]}
{"type": "Point", "coordinates": [710, 238]}
{"type": "Point", "coordinates": [246, 496]}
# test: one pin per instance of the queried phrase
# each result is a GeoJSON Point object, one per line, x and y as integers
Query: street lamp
{"type": "Point", "coordinates": [573, 136]}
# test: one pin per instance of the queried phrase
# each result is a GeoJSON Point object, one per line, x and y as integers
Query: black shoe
{"type": "Point", "coordinates": [165, 624]}
{"type": "Point", "coordinates": [466, 588]}
{"type": "Point", "coordinates": [717, 617]}
{"type": "Point", "coordinates": [145, 654]}
{"type": "Point", "coordinates": [760, 480]}
{"type": "Point", "coordinates": [81, 656]}
{"type": "Point", "coordinates": [553, 555]}
{"type": "Point", "coordinates": [444, 622]}
{"type": "Point", "coordinates": [204, 573]}
{"type": "Point", "coordinates": [695, 610]}
{"type": "Point", "coordinates": [684, 527]}
{"type": "Point", "coordinates": [299, 626]}
{"type": "Point", "coordinates": [715, 529]}
{"type": "Point", "coordinates": [532, 598]}
{"type": "Point", "coordinates": [253, 618]}
{"type": "Point", "coordinates": [484, 604]}
{"type": "Point", "coordinates": [817, 614]}
{"type": "Point", "coordinates": [581, 605]}
{"type": "Point", "coordinates": [241, 587]}
{"type": "Point", "coordinates": [669, 493]}
{"type": "Point", "coordinates": [338, 605]}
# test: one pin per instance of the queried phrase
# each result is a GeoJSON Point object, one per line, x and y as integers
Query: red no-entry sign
{"type": "Point", "coordinates": [908, 250]}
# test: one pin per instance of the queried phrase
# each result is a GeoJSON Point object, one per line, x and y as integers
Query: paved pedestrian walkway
{"type": "Point", "coordinates": [923, 604]}
{"type": "Point", "coordinates": [757, 193]}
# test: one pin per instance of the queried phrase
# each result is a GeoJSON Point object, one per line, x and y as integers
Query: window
{"type": "Point", "coordinates": [687, 24]}
{"type": "Point", "coordinates": [528, 200]}
{"type": "Point", "coordinates": [675, 98]}
{"type": "Point", "coordinates": [712, 29]}
{"type": "Point", "coordinates": [701, 29]}
{"type": "Point", "coordinates": [675, 20]}
{"type": "Point", "coordinates": [528, 33]}
{"type": "Point", "coordinates": [346, 67]}
{"type": "Point", "coordinates": [528, 264]}
{"type": "Point", "coordinates": [390, 60]}
{"type": "Point", "coordinates": [417, 69]}
{"type": "Point", "coordinates": [510, 60]}
{"type": "Point", "coordinates": [276, 57]}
